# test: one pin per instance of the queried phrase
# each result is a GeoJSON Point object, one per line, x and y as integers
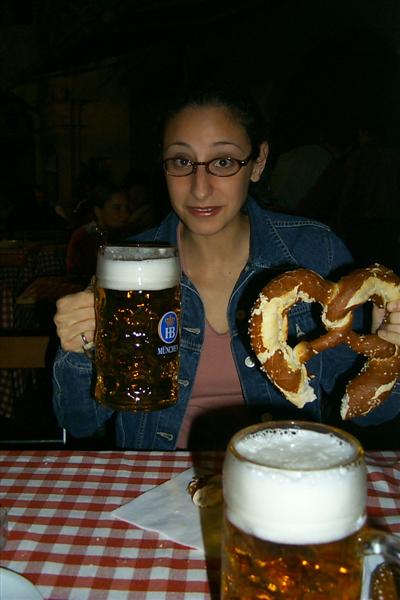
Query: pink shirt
{"type": "Point", "coordinates": [216, 385]}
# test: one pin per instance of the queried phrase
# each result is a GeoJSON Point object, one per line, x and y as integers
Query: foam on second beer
{"type": "Point", "coordinates": [120, 269]}
{"type": "Point", "coordinates": [301, 493]}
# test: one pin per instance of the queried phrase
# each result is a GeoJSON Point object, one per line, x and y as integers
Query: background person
{"type": "Point", "coordinates": [110, 218]}
{"type": "Point", "coordinates": [140, 201]}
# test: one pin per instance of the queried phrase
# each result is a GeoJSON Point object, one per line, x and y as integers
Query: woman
{"type": "Point", "coordinates": [110, 217]}
{"type": "Point", "coordinates": [213, 149]}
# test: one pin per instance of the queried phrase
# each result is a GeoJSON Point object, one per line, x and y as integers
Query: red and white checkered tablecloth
{"type": "Point", "coordinates": [384, 490]}
{"type": "Point", "coordinates": [63, 538]}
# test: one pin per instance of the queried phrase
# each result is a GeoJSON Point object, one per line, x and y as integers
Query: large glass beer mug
{"type": "Point", "coordinates": [294, 515]}
{"type": "Point", "coordinates": [137, 306]}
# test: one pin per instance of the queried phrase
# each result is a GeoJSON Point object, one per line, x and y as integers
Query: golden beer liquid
{"type": "Point", "coordinates": [253, 569]}
{"type": "Point", "coordinates": [136, 369]}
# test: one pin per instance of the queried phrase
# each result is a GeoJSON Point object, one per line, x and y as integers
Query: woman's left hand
{"type": "Point", "coordinates": [387, 328]}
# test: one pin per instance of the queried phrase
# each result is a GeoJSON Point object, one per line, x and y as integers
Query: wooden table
{"type": "Point", "coordinates": [63, 537]}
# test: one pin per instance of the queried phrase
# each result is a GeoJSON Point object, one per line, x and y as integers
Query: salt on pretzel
{"type": "Point", "coordinates": [285, 366]}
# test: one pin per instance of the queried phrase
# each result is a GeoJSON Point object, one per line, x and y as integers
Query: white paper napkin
{"type": "Point", "coordinates": [168, 509]}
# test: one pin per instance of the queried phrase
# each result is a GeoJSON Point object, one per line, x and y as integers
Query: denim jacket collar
{"type": "Point", "coordinates": [263, 228]}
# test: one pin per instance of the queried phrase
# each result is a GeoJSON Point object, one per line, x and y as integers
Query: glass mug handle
{"type": "Point", "coordinates": [89, 347]}
{"type": "Point", "coordinates": [378, 543]}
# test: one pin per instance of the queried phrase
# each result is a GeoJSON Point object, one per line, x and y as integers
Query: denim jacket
{"type": "Point", "coordinates": [278, 242]}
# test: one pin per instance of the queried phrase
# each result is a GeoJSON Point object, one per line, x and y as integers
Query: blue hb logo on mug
{"type": "Point", "coordinates": [168, 327]}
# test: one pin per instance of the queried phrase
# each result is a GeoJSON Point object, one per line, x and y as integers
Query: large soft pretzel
{"type": "Point", "coordinates": [285, 366]}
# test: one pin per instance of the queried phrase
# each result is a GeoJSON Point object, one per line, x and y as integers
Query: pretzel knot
{"type": "Point", "coordinates": [284, 364]}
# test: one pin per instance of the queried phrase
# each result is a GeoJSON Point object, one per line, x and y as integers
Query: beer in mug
{"type": "Point", "coordinates": [137, 307]}
{"type": "Point", "coordinates": [294, 514]}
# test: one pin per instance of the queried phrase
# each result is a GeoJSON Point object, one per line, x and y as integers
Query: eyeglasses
{"type": "Point", "coordinates": [224, 166]}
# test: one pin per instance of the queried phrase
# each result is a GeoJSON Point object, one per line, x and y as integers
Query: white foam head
{"type": "Point", "coordinates": [295, 486]}
{"type": "Point", "coordinates": [137, 268]}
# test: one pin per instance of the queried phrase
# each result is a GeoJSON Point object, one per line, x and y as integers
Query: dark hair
{"type": "Point", "coordinates": [241, 106]}
{"type": "Point", "coordinates": [102, 192]}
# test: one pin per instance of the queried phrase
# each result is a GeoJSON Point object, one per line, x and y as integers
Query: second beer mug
{"type": "Point", "coordinates": [295, 511]}
{"type": "Point", "coordinates": [137, 306]}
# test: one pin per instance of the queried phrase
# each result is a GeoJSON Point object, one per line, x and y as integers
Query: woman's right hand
{"type": "Point", "coordinates": [74, 316]}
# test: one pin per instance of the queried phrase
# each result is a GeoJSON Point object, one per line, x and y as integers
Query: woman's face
{"type": "Point", "coordinates": [114, 214]}
{"type": "Point", "coordinates": [205, 203]}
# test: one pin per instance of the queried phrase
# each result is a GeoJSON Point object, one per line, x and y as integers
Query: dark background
{"type": "Point", "coordinates": [307, 61]}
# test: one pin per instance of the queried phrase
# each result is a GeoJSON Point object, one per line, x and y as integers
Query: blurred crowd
{"type": "Point", "coordinates": [350, 182]}
{"type": "Point", "coordinates": [336, 145]}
